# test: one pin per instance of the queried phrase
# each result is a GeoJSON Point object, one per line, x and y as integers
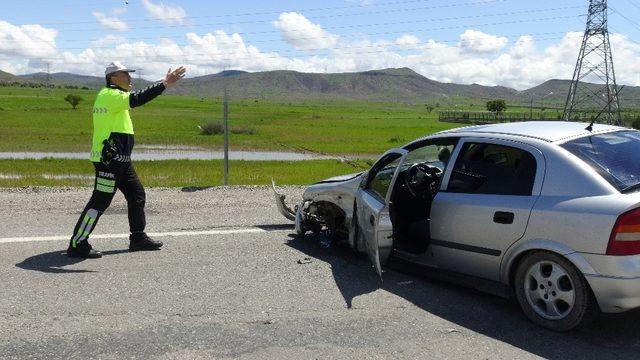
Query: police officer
{"type": "Point", "coordinates": [111, 156]}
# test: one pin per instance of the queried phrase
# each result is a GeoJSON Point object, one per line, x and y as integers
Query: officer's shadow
{"type": "Point", "coordinates": [55, 262]}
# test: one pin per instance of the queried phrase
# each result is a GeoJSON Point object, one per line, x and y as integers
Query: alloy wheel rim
{"type": "Point", "coordinates": [549, 290]}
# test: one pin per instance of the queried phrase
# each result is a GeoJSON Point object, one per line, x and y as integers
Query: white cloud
{"type": "Point", "coordinates": [520, 63]}
{"type": "Point", "coordinates": [302, 34]}
{"type": "Point", "coordinates": [477, 41]}
{"type": "Point", "coordinates": [110, 22]}
{"type": "Point", "coordinates": [361, 2]}
{"type": "Point", "coordinates": [119, 11]}
{"type": "Point", "coordinates": [407, 41]}
{"type": "Point", "coordinates": [108, 40]}
{"type": "Point", "coordinates": [26, 41]}
{"type": "Point", "coordinates": [168, 14]}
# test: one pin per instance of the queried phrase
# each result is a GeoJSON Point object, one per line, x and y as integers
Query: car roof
{"type": "Point", "coordinates": [551, 131]}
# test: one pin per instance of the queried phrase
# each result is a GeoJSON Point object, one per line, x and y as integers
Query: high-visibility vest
{"type": "Point", "coordinates": [110, 115]}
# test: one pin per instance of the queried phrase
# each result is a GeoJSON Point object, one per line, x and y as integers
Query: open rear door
{"type": "Point", "coordinates": [372, 207]}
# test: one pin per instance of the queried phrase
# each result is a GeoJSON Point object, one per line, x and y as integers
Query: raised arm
{"type": "Point", "coordinates": [141, 97]}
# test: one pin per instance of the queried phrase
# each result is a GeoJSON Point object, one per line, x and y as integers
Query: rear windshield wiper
{"type": "Point", "coordinates": [631, 187]}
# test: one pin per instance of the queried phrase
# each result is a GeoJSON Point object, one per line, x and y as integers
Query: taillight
{"type": "Point", "coordinates": [625, 236]}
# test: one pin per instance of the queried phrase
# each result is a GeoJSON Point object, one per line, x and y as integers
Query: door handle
{"type": "Point", "coordinates": [503, 217]}
{"type": "Point", "coordinates": [372, 220]}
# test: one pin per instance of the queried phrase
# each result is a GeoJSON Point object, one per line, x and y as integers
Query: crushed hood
{"type": "Point", "coordinates": [340, 178]}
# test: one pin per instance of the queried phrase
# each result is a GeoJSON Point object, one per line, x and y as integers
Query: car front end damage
{"type": "Point", "coordinates": [326, 208]}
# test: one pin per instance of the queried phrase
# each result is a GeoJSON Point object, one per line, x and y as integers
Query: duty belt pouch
{"type": "Point", "coordinates": [109, 151]}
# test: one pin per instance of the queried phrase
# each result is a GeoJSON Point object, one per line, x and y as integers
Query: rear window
{"type": "Point", "coordinates": [615, 156]}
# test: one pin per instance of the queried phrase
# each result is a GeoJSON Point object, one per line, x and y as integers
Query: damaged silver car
{"type": "Point", "coordinates": [548, 212]}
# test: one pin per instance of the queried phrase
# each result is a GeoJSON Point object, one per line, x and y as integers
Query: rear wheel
{"type": "Point", "coordinates": [553, 293]}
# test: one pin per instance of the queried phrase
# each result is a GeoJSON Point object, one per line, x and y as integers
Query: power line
{"type": "Point", "coordinates": [247, 56]}
{"type": "Point", "coordinates": [355, 26]}
{"type": "Point", "coordinates": [332, 36]}
{"type": "Point", "coordinates": [328, 16]}
{"type": "Point", "coordinates": [398, 47]}
{"type": "Point", "coordinates": [484, 2]}
{"type": "Point", "coordinates": [634, 4]}
{"type": "Point", "coordinates": [330, 48]}
{"type": "Point", "coordinates": [635, 24]}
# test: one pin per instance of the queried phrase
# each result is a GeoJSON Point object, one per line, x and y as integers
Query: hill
{"type": "Point", "coordinates": [393, 85]}
{"type": "Point", "coordinates": [403, 85]}
{"type": "Point", "coordinates": [62, 78]}
{"type": "Point", "coordinates": [5, 76]}
{"type": "Point", "coordinates": [629, 96]}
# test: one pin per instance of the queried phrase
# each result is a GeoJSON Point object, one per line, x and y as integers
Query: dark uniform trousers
{"type": "Point", "coordinates": [117, 175]}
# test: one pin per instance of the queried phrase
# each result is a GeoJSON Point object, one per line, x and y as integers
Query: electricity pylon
{"type": "Point", "coordinates": [593, 86]}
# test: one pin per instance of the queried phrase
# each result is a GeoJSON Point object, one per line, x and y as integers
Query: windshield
{"type": "Point", "coordinates": [615, 156]}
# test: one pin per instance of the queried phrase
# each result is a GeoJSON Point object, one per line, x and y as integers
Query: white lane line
{"type": "Point", "coordinates": [112, 236]}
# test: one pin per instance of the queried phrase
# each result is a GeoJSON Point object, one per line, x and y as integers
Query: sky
{"type": "Point", "coordinates": [514, 43]}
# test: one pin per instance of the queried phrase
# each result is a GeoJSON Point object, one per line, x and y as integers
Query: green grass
{"type": "Point", "coordinates": [40, 120]}
{"type": "Point", "coordinates": [175, 173]}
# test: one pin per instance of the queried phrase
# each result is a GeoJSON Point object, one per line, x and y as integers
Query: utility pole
{"type": "Point", "coordinates": [48, 78]}
{"type": "Point", "coordinates": [594, 65]}
{"type": "Point", "coordinates": [226, 136]}
{"type": "Point", "coordinates": [541, 103]}
{"type": "Point", "coordinates": [531, 108]}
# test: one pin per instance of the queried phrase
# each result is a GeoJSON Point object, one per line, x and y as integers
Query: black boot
{"type": "Point", "coordinates": [141, 241]}
{"type": "Point", "coordinates": [83, 250]}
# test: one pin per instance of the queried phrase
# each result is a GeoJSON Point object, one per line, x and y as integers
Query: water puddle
{"type": "Point", "coordinates": [67, 177]}
{"type": "Point", "coordinates": [10, 177]}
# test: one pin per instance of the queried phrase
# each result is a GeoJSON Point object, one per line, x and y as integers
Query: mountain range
{"type": "Point", "coordinates": [393, 85]}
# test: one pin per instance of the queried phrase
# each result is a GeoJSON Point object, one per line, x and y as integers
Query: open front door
{"type": "Point", "coordinates": [372, 207]}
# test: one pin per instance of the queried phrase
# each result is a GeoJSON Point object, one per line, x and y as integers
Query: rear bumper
{"type": "Point", "coordinates": [615, 294]}
{"type": "Point", "coordinates": [615, 281]}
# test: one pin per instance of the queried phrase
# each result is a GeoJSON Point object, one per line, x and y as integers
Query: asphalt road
{"type": "Point", "coordinates": [233, 282]}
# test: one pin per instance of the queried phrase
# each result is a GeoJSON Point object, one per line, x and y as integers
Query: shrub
{"type": "Point", "coordinates": [636, 124]}
{"type": "Point", "coordinates": [74, 100]}
{"type": "Point", "coordinates": [243, 131]}
{"type": "Point", "coordinates": [217, 128]}
{"type": "Point", "coordinates": [211, 128]}
{"type": "Point", "coordinates": [496, 106]}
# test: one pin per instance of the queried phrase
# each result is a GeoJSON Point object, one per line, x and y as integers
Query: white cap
{"type": "Point", "coordinates": [116, 66]}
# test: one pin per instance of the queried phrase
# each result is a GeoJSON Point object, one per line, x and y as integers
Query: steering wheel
{"type": "Point", "coordinates": [421, 180]}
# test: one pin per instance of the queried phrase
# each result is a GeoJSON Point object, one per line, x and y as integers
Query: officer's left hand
{"type": "Point", "coordinates": [174, 76]}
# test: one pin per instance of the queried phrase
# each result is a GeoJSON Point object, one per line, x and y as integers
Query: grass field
{"type": "Point", "coordinates": [40, 120]}
{"type": "Point", "coordinates": [175, 173]}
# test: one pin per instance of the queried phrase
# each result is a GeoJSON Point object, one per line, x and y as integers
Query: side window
{"type": "Point", "coordinates": [434, 154]}
{"type": "Point", "coordinates": [493, 169]}
{"type": "Point", "coordinates": [381, 176]}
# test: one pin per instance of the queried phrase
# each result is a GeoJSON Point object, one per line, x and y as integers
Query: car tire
{"type": "Point", "coordinates": [553, 293]}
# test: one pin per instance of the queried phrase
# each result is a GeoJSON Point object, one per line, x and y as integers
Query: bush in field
{"type": "Point", "coordinates": [496, 106]}
{"type": "Point", "coordinates": [244, 131]}
{"type": "Point", "coordinates": [212, 128]}
{"type": "Point", "coordinates": [636, 124]}
{"type": "Point", "coordinates": [217, 128]}
{"type": "Point", "coordinates": [74, 100]}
